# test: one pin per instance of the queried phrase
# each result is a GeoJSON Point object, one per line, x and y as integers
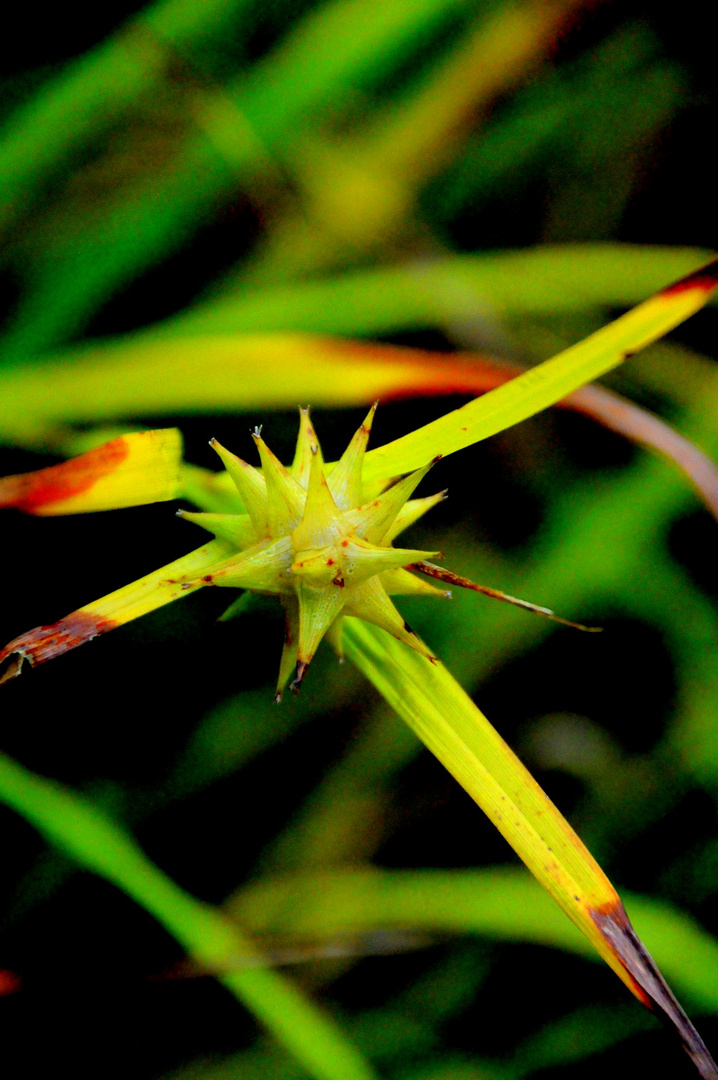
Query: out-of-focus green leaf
{"type": "Point", "coordinates": [334, 48]}
{"type": "Point", "coordinates": [91, 92]}
{"type": "Point", "coordinates": [548, 120]}
{"type": "Point", "coordinates": [196, 363]}
{"type": "Point", "coordinates": [504, 904]}
{"type": "Point", "coordinates": [99, 845]}
{"type": "Point", "coordinates": [359, 194]}
{"type": "Point", "coordinates": [436, 292]}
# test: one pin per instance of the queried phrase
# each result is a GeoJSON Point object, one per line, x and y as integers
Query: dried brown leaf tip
{"type": "Point", "coordinates": [650, 986]}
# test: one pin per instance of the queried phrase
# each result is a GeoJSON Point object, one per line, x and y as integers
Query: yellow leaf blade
{"type": "Point", "coordinates": [135, 469]}
{"type": "Point", "coordinates": [549, 382]}
{"type": "Point", "coordinates": [443, 716]}
{"type": "Point", "coordinates": [122, 606]}
{"type": "Point", "coordinates": [438, 710]}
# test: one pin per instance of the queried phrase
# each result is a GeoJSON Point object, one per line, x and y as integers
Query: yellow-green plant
{"type": "Point", "coordinates": [322, 542]}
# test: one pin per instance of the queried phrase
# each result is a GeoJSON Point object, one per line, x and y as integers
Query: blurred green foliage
{"type": "Point", "coordinates": [352, 166]}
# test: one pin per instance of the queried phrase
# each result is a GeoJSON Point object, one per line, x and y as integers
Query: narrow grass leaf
{"type": "Point", "coordinates": [435, 706]}
{"type": "Point", "coordinates": [500, 903]}
{"type": "Point", "coordinates": [499, 285]}
{"type": "Point", "coordinates": [252, 372]}
{"type": "Point", "coordinates": [98, 844]}
{"type": "Point", "coordinates": [130, 602]}
{"type": "Point", "coordinates": [547, 383]}
{"type": "Point", "coordinates": [89, 93]}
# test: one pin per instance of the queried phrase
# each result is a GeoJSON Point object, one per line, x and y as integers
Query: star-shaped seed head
{"type": "Point", "coordinates": [311, 537]}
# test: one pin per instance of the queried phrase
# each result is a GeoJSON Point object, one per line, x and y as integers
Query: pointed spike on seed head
{"type": "Point", "coordinates": [238, 607]}
{"type": "Point", "coordinates": [306, 438]}
{"type": "Point", "coordinates": [298, 677]}
{"type": "Point", "coordinates": [322, 521]}
{"type": "Point", "coordinates": [344, 480]}
{"type": "Point", "coordinates": [237, 528]}
{"type": "Point", "coordinates": [371, 603]}
{"type": "Point", "coordinates": [262, 568]}
{"type": "Point", "coordinates": [362, 560]}
{"type": "Point", "coordinates": [411, 512]}
{"type": "Point", "coordinates": [288, 660]}
{"type": "Point", "coordinates": [285, 498]}
{"type": "Point", "coordinates": [402, 583]}
{"type": "Point", "coordinates": [250, 485]}
{"type": "Point", "coordinates": [374, 520]}
{"type": "Point", "coordinates": [318, 608]}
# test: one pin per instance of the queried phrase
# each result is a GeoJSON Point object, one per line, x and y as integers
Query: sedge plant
{"type": "Point", "coordinates": [319, 537]}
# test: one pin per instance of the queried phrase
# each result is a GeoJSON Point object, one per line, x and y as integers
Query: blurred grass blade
{"type": "Point", "coordinates": [98, 844]}
{"type": "Point", "coordinates": [130, 602]}
{"type": "Point", "coordinates": [133, 470]}
{"type": "Point", "coordinates": [334, 50]}
{"type": "Point", "coordinates": [144, 378]}
{"type": "Point", "coordinates": [435, 706]}
{"type": "Point", "coordinates": [502, 407]}
{"type": "Point", "coordinates": [93, 382]}
{"type": "Point", "coordinates": [93, 90]}
{"type": "Point", "coordinates": [435, 293]}
{"type": "Point", "coordinates": [623, 86]}
{"type": "Point", "coordinates": [548, 382]}
{"type": "Point", "coordinates": [415, 136]}
{"type": "Point", "coordinates": [505, 904]}
{"type": "Point", "coordinates": [359, 193]}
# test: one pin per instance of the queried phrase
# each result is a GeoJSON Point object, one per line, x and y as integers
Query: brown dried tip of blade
{"type": "Point", "coordinates": [10, 667]}
{"type": "Point", "coordinates": [46, 642]}
{"type": "Point", "coordinates": [440, 574]}
{"type": "Point", "coordinates": [616, 928]}
{"type": "Point", "coordinates": [706, 277]}
{"type": "Point", "coordinates": [298, 676]}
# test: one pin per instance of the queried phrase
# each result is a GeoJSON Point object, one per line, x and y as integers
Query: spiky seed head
{"type": "Point", "coordinates": [312, 540]}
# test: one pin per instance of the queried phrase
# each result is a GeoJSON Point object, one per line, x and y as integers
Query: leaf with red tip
{"type": "Point", "coordinates": [549, 382]}
{"type": "Point", "coordinates": [276, 370]}
{"type": "Point", "coordinates": [142, 467]}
